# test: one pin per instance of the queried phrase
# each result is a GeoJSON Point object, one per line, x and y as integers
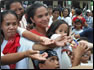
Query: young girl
{"type": "Point", "coordinates": [58, 28]}
{"type": "Point", "coordinates": [77, 29]}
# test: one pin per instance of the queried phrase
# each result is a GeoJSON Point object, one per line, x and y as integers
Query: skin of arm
{"type": "Point", "coordinates": [41, 47]}
{"type": "Point", "coordinates": [31, 36]}
{"type": "Point", "coordinates": [15, 57]}
{"type": "Point", "coordinates": [12, 58]}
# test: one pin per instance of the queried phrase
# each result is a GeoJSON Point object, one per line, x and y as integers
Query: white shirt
{"type": "Point", "coordinates": [23, 22]}
{"type": "Point", "coordinates": [68, 20]}
{"type": "Point", "coordinates": [77, 31]}
{"type": "Point", "coordinates": [64, 59]}
{"type": "Point", "coordinates": [50, 21]}
{"type": "Point", "coordinates": [25, 45]}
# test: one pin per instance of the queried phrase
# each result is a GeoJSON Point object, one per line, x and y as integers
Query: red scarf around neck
{"type": "Point", "coordinates": [11, 47]}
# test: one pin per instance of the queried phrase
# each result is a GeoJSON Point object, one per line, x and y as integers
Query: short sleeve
{"type": "Point", "coordinates": [2, 54]}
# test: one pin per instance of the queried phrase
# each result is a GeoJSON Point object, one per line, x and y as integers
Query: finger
{"type": "Point", "coordinates": [34, 52]}
{"type": "Point", "coordinates": [44, 55]}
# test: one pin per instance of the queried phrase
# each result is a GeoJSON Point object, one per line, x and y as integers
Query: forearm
{"type": "Point", "coordinates": [40, 47]}
{"type": "Point", "coordinates": [76, 61]}
{"type": "Point", "coordinates": [31, 36]}
{"type": "Point", "coordinates": [27, 34]}
{"type": "Point", "coordinates": [12, 58]}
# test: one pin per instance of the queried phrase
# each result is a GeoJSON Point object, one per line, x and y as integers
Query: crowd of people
{"type": "Point", "coordinates": [50, 37]}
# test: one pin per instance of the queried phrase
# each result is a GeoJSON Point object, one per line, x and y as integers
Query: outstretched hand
{"type": "Point", "coordinates": [36, 55]}
{"type": "Point", "coordinates": [46, 41]}
{"type": "Point", "coordinates": [63, 40]}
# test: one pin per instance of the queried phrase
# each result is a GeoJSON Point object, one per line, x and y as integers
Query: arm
{"type": "Point", "coordinates": [41, 47]}
{"type": "Point", "coordinates": [15, 57]}
{"type": "Point", "coordinates": [78, 52]}
{"type": "Point", "coordinates": [31, 36]}
{"type": "Point", "coordinates": [12, 58]}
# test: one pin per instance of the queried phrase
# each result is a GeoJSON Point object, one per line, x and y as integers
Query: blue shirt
{"type": "Point", "coordinates": [88, 33]}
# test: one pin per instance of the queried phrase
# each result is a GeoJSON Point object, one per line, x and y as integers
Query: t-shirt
{"type": "Point", "coordinates": [64, 59]}
{"type": "Point", "coordinates": [36, 32]}
{"type": "Point", "coordinates": [25, 45]}
{"type": "Point", "coordinates": [77, 31]}
{"type": "Point", "coordinates": [68, 20]}
{"type": "Point", "coordinates": [88, 33]}
{"type": "Point", "coordinates": [23, 22]}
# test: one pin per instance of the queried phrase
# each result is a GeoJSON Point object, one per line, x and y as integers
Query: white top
{"type": "Point", "coordinates": [64, 59]}
{"type": "Point", "coordinates": [2, 54]}
{"type": "Point", "coordinates": [68, 20]}
{"type": "Point", "coordinates": [23, 22]}
{"type": "Point", "coordinates": [77, 31]}
{"type": "Point", "coordinates": [50, 21]}
{"type": "Point", "coordinates": [25, 45]}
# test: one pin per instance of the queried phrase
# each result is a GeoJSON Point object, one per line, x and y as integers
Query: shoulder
{"type": "Point", "coordinates": [25, 41]}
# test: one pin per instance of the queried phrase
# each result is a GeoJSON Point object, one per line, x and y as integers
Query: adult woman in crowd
{"type": "Point", "coordinates": [66, 17]}
{"type": "Point", "coordinates": [18, 8]}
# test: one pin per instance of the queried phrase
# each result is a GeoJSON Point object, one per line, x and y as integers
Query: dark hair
{"type": "Point", "coordinates": [67, 9]}
{"type": "Point", "coordinates": [32, 9]}
{"type": "Point", "coordinates": [78, 11]}
{"type": "Point", "coordinates": [3, 14]}
{"type": "Point", "coordinates": [78, 20]}
{"type": "Point", "coordinates": [50, 53]}
{"type": "Point", "coordinates": [55, 9]}
{"type": "Point", "coordinates": [11, 2]}
{"type": "Point", "coordinates": [54, 26]}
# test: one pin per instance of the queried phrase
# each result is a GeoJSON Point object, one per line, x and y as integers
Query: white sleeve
{"type": "Point", "coordinates": [20, 30]}
{"type": "Point", "coordinates": [54, 36]}
{"type": "Point", "coordinates": [69, 20]}
{"type": "Point", "coordinates": [2, 54]}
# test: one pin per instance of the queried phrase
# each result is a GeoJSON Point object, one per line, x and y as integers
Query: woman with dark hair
{"type": "Point", "coordinates": [38, 14]}
{"type": "Point", "coordinates": [17, 6]}
{"type": "Point", "coordinates": [66, 17]}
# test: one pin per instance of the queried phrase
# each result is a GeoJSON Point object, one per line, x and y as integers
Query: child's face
{"type": "Point", "coordinates": [78, 25]}
{"type": "Point", "coordinates": [50, 63]}
{"type": "Point", "coordinates": [62, 29]}
{"type": "Point", "coordinates": [56, 14]}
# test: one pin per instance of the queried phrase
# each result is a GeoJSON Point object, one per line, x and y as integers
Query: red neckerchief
{"type": "Point", "coordinates": [11, 47]}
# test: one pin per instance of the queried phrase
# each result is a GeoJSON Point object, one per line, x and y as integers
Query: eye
{"type": "Point", "coordinates": [65, 31]}
{"type": "Point", "coordinates": [40, 16]}
{"type": "Point", "coordinates": [52, 59]}
{"type": "Point", "coordinates": [20, 8]}
{"type": "Point", "coordinates": [7, 24]}
{"type": "Point", "coordinates": [60, 30]}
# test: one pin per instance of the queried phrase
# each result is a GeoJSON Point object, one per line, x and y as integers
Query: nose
{"type": "Point", "coordinates": [57, 62]}
{"type": "Point", "coordinates": [11, 27]}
